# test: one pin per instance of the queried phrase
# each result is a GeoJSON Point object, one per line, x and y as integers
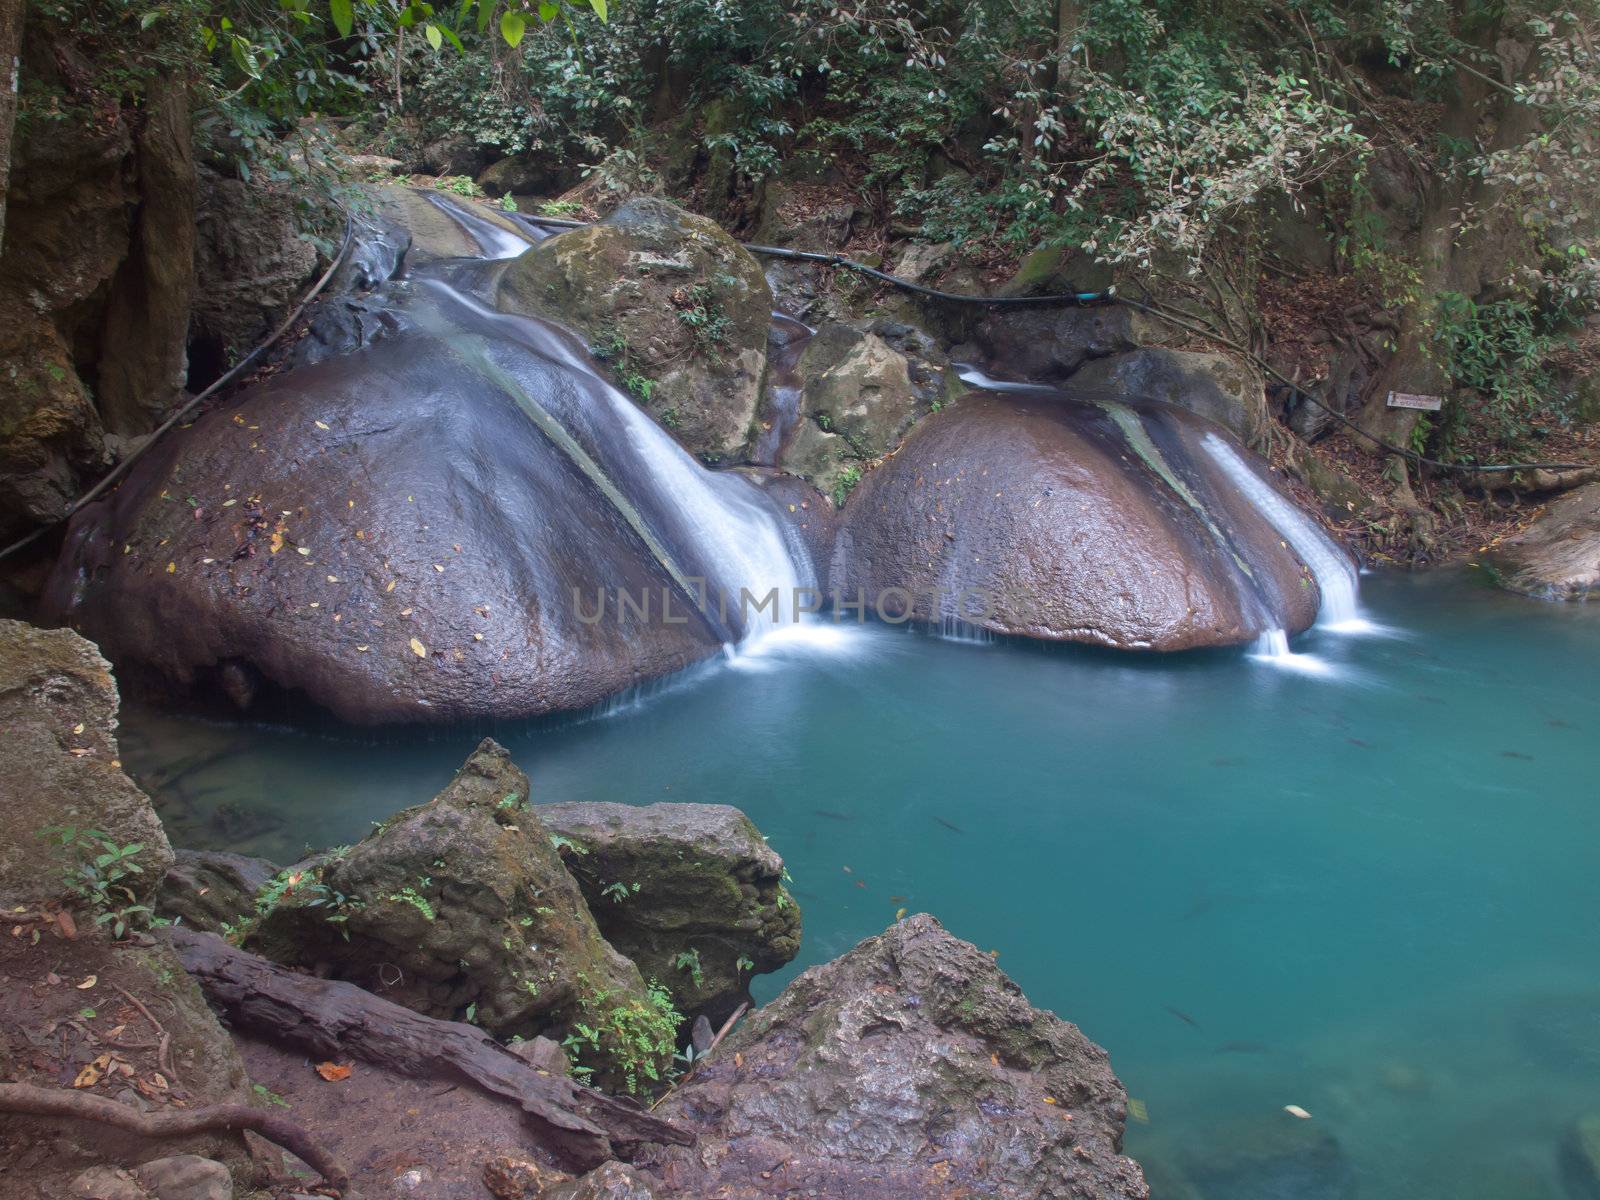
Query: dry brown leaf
{"type": "Point", "coordinates": [418, 649]}
{"type": "Point", "coordinates": [68, 927]}
{"type": "Point", "coordinates": [333, 1072]}
{"type": "Point", "coordinates": [87, 1077]}
{"type": "Point", "coordinates": [88, 982]}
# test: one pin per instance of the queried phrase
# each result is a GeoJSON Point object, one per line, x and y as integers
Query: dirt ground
{"type": "Point", "coordinates": [124, 1022]}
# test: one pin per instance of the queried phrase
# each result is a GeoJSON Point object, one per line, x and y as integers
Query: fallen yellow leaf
{"type": "Point", "coordinates": [418, 649]}
{"type": "Point", "coordinates": [302, 549]}
{"type": "Point", "coordinates": [171, 567]}
{"type": "Point", "coordinates": [87, 1077]}
{"type": "Point", "coordinates": [88, 982]}
{"type": "Point", "coordinates": [322, 425]}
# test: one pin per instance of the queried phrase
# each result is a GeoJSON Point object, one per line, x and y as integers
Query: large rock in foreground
{"type": "Point", "coordinates": [1558, 556]}
{"type": "Point", "coordinates": [461, 908]}
{"type": "Point", "coordinates": [666, 881]}
{"type": "Point", "coordinates": [911, 1066]}
{"type": "Point", "coordinates": [59, 769]}
{"type": "Point", "coordinates": [677, 305]}
{"type": "Point", "coordinates": [1065, 520]}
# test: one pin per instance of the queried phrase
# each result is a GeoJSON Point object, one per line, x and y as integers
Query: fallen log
{"type": "Point", "coordinates": [25, 1099]}
{"type": "Point", "coordinates": [329, 1019]}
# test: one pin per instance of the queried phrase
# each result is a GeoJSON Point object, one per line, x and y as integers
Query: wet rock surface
{"type": "Point", "coordinates": [458, 904]}
{"type": "Point", "coordinates": [911, 1066]}
{"type": "Point", "coordinates": [1557, 557]}
{"type": "Point", "coordinates": [388, 533]}
{"type": "Point", "coordinates": [60, 767]}
{"type": "Point", "coordinates": [671, 300]}
{"type": "Point", "coordinates": [668, 880]}
{"type": "Point", "coordinates": [1029, 507]}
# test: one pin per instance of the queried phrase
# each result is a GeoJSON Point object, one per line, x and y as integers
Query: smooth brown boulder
{"type": "Point", "coordinates": [1068, 520]}
{"type": "Point", "coordinates": [387, 533]}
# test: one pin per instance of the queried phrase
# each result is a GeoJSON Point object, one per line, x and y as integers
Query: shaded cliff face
{"type": "Point", "coordinates": [1095, 522]}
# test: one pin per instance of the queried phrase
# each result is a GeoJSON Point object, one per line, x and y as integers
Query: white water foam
{"type": "Point", "coordinates": [1335, 574]}
{"type": "Point", "coordinates": [971, 375]}
{"type": "Point", "coordinates": [1272, 648]}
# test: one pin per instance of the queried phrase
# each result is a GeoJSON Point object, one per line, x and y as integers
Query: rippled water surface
{"type": "Point", "coordinates": [1370, 888]}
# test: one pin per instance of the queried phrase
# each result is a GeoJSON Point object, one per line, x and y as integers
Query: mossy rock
{"type": "Point", "coordinates": [459, 908]}
{"type": "Point", "coordinates": [691, 893]}
{"type": "Point", "coordinates": [672, 303]}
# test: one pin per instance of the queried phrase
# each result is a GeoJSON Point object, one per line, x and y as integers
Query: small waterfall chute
{"type": "Point", "coordinates": [1334, 572]}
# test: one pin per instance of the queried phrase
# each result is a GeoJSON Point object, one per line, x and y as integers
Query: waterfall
{"type": "Point", "coordinates": [733, 523]}
{"type": "Point", "coordinates": [1334, 573]}
{"type": "Point", "coordinates": [716, 532]}
{"type": "Point", "coordinates": [493, 239]}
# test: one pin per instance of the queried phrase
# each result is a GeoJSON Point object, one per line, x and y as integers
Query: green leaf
{"type": "Point", "coordinates": [548, 10]}
{"type": "Point", "coordinates": [599, 7]}
{"type": "Point", "coordinates": [431, 32]}
{"type": "Point", "coordinates": [512, 27]}
{"type": "Point", "coordinates": [149, 19]}
{"type": "Point", "coordinates": [485, 14]}
{"type": "Point", "coordinates": [343, 17]}
{"type": "Point", "coordinates": [450, 36]}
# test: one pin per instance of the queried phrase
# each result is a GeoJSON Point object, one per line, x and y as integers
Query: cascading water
{"type": "Point", "coordinates": [1334, 573]}
{"type": "Point", "coordinates": [717, 532]}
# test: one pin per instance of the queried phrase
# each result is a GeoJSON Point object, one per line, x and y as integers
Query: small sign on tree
{"type": "Point", "coordinates": [1412, 400]}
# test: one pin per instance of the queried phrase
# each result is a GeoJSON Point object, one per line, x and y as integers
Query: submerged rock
{"type": "Point", "coordinates": [666, 881]}
{"type": "Point", "coordinates": [1273, 1157]}
{"type": "Point", "coordinates": [1557, 557]}
{"type": "Point", "coordinates": [60, 769]}
{"type": "Point", "coordinates": [461, 907]}
{"type": "Point", "coordinates": [1579, 1158]}
{"type": "Point", "coordinates": [911, 1066]}
{"type": "Point", "coordinates": [609, 1181]}
{"type": "Point", "coordinates": [673, 302]}
{"type": "Point", "coordinates": [1058, 519]}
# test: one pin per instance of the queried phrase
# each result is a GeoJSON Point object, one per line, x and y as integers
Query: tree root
{"type": "Point", "coordinates": [23, 1098]}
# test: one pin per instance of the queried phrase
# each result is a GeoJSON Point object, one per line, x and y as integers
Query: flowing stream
{"type": "Point", "coordinates": [1368, 892]}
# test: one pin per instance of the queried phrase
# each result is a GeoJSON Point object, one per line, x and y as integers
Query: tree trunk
{"type": "Point", "coordinates": [1069, 17]}
{"type": "Point", "coordinates": [1449, 259]}
{"type": "Point", "coordinates": [579, 1125]}
{"type": "Point", "coordinates": [10, 72]}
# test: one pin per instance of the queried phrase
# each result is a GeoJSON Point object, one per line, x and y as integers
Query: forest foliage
{"type": "Point", "coordinates": [1142, 131]}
